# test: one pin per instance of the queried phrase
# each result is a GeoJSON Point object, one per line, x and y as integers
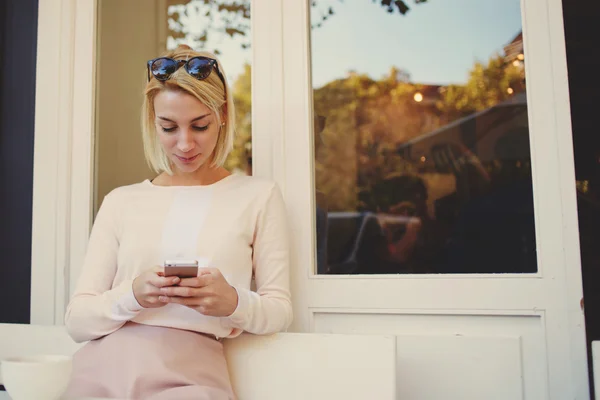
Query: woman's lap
{"type": "Point", "coordinates": [146, 362]}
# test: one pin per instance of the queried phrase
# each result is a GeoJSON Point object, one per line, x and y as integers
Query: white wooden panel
{"type": "Point", "coordinates": [267, 95]}
{"type": "Point", "coordinates": [461, 368]}
{"type": "Point", "coordinates": [296, 164]}
{"type": "Point", "coordinates": [313, 366]}
{"type": "Point", "coordinates": [466, 357]}
{"type": "Point", "coordinates": [568, 201]}
{"type": "Point", "coordinates": [63, 137]}
{"type": "Point", "coordinates": [82, 161]}
{"type": "Point", "coordinates": [51, 157]}
{"type": "Point", "coordinates": [554, 197]}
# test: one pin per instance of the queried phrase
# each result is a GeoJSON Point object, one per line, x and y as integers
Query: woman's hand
{"type": "Point", "coordinates": [146, 287]}
{"type": "Point", "coordinates": [209, 294]}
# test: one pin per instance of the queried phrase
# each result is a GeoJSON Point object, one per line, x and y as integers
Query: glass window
{"type": "Point", "coordinates": [136, 31]}
{"type": "Point", "coordinates": [422, 159]}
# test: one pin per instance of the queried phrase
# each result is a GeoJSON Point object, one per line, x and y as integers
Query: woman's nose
{"type": "Point", "coordinates": [186, 141]}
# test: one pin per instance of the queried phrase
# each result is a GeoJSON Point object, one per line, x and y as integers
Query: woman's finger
{"type": "Point", "coordinates": [179, 291]}
{"type": "Point", "coordinates": [184, 301]}
{"type": "Point", "coordinates": [161, 281]}
{"type": "Point", "coordinates": [198, 282]}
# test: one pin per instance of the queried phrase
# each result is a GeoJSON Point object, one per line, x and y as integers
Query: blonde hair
{"type": "Point", "coordinates": [212, 92]}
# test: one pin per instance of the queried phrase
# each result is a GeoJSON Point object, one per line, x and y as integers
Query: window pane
{"type": "Point", "coordinates": [135, 31]}
{"type": "Point", "coordinates": [422, 160]}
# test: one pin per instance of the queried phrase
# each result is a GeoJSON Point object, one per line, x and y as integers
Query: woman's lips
{"type": "Point", "coordinates": [187, 160]}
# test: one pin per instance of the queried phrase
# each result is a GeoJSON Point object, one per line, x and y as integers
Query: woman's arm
{"type": "Point", "coordinates": [269, 309]}
{"type": "Point", "coordinates": [96, 308]}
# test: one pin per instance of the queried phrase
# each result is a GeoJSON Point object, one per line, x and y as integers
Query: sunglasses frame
{"type": "Point", "coordinates": [212, 62]}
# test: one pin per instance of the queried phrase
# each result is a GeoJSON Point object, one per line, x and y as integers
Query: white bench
{"type": "Point", "coordinates": [283, 366]}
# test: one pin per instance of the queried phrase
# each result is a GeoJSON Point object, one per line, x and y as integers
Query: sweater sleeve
{"type": "Point", "coordinates": [269, 309]}
{"type": "Point", "coordinates": [96, 308]}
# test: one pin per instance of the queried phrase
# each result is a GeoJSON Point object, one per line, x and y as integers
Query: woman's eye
{"type": "Point", "coordinates": [165, 129]}
{"type": "Point", "coordinates": [200, 128]}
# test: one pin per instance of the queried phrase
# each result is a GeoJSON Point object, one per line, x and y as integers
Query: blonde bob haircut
{"type": "Point", "coordinates": [212, 92]}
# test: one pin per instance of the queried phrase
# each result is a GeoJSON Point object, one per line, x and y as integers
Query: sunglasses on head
{"type": "Point", "coordinates": [199, 67]}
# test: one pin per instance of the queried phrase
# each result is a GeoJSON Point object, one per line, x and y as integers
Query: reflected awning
{"type": "Point", "coordinates": [479, 132]}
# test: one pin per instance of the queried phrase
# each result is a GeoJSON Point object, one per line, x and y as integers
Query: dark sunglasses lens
{"type": "Point", "coordinates": [163, 68]}
{"type": "Point", "coordinates": [199, 68]}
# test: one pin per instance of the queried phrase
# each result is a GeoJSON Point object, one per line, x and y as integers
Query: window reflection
{"type": "Point", "coordinates": [422, 159]}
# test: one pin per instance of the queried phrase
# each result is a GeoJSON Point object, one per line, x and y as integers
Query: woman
{"type": "Point", "coordinates": [157, 337]}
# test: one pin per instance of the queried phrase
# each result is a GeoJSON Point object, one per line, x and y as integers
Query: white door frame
{"type": "Point", "coordinates": [559, 269]}
{"type": "Point", "coordinates": [62, 177]}
{"type": "Point", "coordinates": [63, 170]}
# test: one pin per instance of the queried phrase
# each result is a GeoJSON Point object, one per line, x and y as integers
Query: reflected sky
{"type": "Point", "coordinates": [436, 42]}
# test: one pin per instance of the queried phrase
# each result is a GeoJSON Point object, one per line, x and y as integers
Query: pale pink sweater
{"type": "Point", "coordinates": [237, 225]}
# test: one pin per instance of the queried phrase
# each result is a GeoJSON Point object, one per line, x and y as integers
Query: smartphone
{"type": "Point", "coordinates": [181, 268]}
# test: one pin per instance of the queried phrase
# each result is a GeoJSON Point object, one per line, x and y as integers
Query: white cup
{"type": "Point", "coordinates": [43, 377]}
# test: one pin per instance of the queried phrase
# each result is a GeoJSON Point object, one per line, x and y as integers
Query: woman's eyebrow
{"type": "Point", "coordinates": [193, 120]}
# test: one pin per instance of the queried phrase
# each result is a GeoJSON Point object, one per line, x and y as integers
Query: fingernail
{"type": "Point", "coordinates": [176, 280]}
{"type": "Point", "coordinates": [164, 299]}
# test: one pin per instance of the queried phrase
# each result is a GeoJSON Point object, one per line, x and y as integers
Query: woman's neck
{"type": "Point", "coordinates": [199, 177]}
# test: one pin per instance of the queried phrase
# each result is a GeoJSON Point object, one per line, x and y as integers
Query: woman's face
{"type": "Point", "coordinates": [187, 129]}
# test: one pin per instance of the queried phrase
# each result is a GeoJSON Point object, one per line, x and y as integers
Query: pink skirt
{"type": "Point", "coordinates": [154, 363]}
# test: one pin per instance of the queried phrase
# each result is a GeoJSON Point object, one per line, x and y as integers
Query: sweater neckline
{"type": "Point", "coordinates": [220, 182]}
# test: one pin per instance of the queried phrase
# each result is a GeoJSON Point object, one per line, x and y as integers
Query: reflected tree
{"type": "Point", "coordinates": [242, 96]}
{"type": "Point", "coordinates": [229, 18]}
{"type": "Point", "coordinates": [232, 18]}
{"type": "Point", "coordinates": [488, 85]}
